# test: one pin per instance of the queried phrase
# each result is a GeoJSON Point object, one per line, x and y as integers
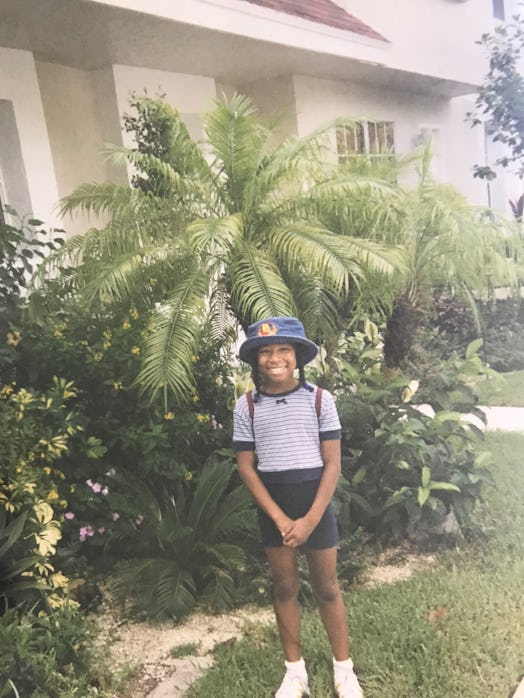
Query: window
{"type": "Point", "coordinates": [373, 139]}
{"type": "Point", "coordinates": [498, 9]}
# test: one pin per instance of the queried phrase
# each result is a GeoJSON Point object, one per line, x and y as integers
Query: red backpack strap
{"type": "Point", "coordinates": [250, 404]}
{"type": "Point", "coordinates": [318, 401]}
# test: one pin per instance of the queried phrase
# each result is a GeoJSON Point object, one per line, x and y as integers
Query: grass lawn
{"type": "Point", "coordinates": [471, 646]}
{"type": "Point", "coordinates": [508, 390]}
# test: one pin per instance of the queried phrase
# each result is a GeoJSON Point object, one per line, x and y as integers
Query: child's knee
{"type": "Point", "coordinates": [285, 590]}
{"type": "Point", "coordinates": [327, 592]}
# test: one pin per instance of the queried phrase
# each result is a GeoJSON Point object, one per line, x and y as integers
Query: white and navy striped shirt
{"type": "Point", "coordinates": [286, 433]}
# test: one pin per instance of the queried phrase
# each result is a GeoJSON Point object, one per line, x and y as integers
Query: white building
{"type": "Point", "coordinates": [409, 67]}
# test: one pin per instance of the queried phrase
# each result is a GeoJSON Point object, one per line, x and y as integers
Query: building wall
{"type": "Point", "coordinates": [457, 148]}
{"type": "Point", "coordinates": [75, 134]}
{"type": "Point", "coordinates": [19, 86]}
{"type": "Point", "coordinates": [433, 37]}
{"type": "Point", "coordinates": [191, 95]}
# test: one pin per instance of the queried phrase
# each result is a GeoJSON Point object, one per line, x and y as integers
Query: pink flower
{"type": "Point", "coordinates": [105, 491]}
{"type": "Point", "coordinates": [96, 487]}
{"type": "Point", "coordinates": [115, 516]}
{"type": "Point", "coordinates": [89, 483]}
{"type": "Point", "coordinates": [86, 532]}
{"type": "Point", "coordinates": [101, 530]}
{"type": "Point", "coordinates": [69, 515]}
{"type": "Point", "coordinates": [139, 519]}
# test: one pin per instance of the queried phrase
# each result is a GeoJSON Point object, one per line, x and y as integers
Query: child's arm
{"type": "Point", "coordinates": [302, 528]}
{"type": "Point", "coordinates": [250, 478]}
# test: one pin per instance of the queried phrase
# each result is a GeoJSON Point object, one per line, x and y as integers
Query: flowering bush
{"type": "Point", "coordinates": [136, 443]}
{"type": "Point", "coordinates": [35, 434]}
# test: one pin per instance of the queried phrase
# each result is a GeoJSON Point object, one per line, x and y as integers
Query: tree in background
{"type": "Point", "coordinates": [500, 101]}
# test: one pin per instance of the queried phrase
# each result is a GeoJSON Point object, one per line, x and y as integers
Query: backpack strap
{"type": "Point", "coordinates": [251, 404]}
{"type": "Point", "coordinates": [318, 402]}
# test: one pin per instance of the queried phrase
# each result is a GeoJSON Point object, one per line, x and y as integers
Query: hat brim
{"type": "Point", "coordinates": [248, 350]}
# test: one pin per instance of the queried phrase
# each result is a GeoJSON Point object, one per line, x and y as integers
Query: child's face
{"type": "Point", "coordinates": [277, 364]}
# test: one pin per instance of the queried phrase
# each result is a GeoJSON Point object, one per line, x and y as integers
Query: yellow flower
{"type": "Point", "coordinates": [44, 513]}
{"type": "Point", "coordinates": [53, 495]}
{"type": "Point", "coordinates": [151, 327]}
{"type": "Point", "coordinates": [62, 503]}
{"type": "Point", "coordinates": [58, 580]}
{"type": "Point", "coordinates": [106, 344]}
{"type": "Point", "coordinates": [194, 358]}
{"type": "Point", "coordinates": [117, 385]}
{"type": "Point", "coordinates": [13, 338]}
{"type": "Point", "coordinates": [47, 470]}
{"type": "Point", "coordinates": [6, 390]}
{"type": "Point", "coordinates": [203, 418]}
{"type": "Point", "coordinates": [58, 333]}
{"type": "Point", "coordinates": [188, 476]}
{"type": "Point", "coordinates": [153, 282]}
{"type": "Point", "coordinates": [56, 601]}
{"type": "Point", "coordinates": [72, 488]}
{"type": "Point", "coordinates": [105, 298]}
{"type": "Point", "coordinates": [47, 539]}
{"type": "Point", "coordinates": [98, 356]}
{"type": "Point", "coordinates": [169, 416]}
{"type": "Point", "coordinates": [135, 350]}
{"type": "Point", "coordinates": [134, 313]}
{"type": "Point", "coordinates": [126, 325]}
{"type": "Point", "coordinates": [107, 334]}
{"type": "Point", "coordinates": [83, 343]}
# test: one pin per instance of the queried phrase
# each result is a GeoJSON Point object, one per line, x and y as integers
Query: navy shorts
{"type": "Point", "coordinates": [295, 499]}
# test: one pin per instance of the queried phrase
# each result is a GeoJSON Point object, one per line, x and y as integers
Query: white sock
{"type": "Point", "coordinates": [297, 668]}
{"type": "Point", "coordinates": [343, 665]}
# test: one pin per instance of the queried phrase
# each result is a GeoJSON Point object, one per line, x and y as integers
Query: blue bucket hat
{"type": "Point", "coordinates": [277, 330]}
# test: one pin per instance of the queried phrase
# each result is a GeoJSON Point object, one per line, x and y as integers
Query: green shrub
{"type": "Point", "coordinates": [50, 656]}
{"type": "Point", "coordinates": [407, 473]}
{"type": "Point", "coordinates": [187, 551]}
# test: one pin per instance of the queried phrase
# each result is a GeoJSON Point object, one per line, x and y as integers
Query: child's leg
{"type": "Point", "coordinates": [322, 566]}
{"type": "Point", "coordinates": [284, 570]}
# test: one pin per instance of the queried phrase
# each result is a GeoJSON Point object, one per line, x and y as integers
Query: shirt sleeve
{"type": "Point", "coordinates": [243, 435]}
{"type": "Point", "coordinates": [329, 423]}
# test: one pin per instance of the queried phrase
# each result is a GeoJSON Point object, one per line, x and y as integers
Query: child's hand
{"type": "Point", "coordinates": [298, 533]}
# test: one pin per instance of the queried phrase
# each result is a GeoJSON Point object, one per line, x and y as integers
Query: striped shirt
{"type": "Point", "coordinates": [286, 433]}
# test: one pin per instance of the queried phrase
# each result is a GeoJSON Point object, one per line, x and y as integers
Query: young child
{"type": "Point", "coordinates": [292, 480]}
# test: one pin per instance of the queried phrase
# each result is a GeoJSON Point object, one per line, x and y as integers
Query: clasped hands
{"type": "Point", "coordinates": [295, 532]}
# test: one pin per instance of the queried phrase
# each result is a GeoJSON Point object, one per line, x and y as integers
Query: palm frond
{"type": "Point", "coordinates": [169, 348]}
{"type": "Point", "coordinates": [211, 486]}
{"type": "Point", "coordinates": [215, 236]}
{"type": "Point", "coordinates": [234, 137]}
{"type": "Point", "coordinates": [105, 197]}
{"type": "Point", "coordinates": [257, 287]}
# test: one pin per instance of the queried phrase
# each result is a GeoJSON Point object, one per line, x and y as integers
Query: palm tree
{"type": "Point", "coordinates": [448, 244]}
{"type": "Point", "coordinates": [229, 226]}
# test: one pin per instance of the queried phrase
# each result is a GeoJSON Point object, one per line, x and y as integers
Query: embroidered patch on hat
{"type": "Point", "coordinates": [267, 329]}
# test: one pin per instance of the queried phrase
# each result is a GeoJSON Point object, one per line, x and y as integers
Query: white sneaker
{"type": "Point", "coordinates": [293, 686]}
{"type": "Point", "coordinates": [347, 685]}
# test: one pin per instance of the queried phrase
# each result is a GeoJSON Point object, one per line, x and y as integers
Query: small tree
{"type": "Point", "coordinates": [500, 101]}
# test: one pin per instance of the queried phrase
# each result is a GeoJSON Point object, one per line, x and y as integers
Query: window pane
{"type": "Point", "coordinates": [498, 9]}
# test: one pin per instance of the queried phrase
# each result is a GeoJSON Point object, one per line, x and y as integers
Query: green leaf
{"type": "Point", "coordinates": [473, 347]}
{"type": "Point", "coordinates": [422, 495]}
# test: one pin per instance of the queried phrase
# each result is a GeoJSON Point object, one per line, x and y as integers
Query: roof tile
{"type": "Point", "coordinates": [323, 12]}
